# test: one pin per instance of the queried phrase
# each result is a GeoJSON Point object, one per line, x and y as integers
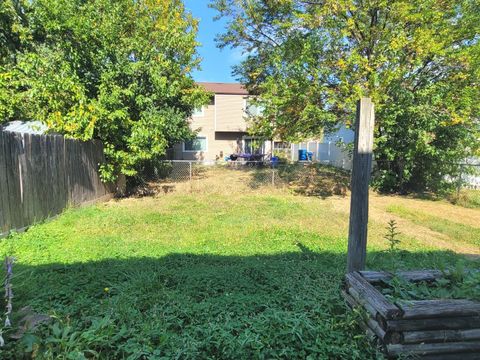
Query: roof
{"type": "Point", "coordinates": [25, 127]}
{"type": "Point", "coordinates": [224, 88]}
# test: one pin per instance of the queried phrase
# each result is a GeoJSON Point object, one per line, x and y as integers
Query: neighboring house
{"type": "Point", "coordinates": [25, 127]}
{"type": "Point", "coordinates": [328, 150]}
{"type": "Point", "coordinates": [222, 127]}
{"type": "Point", "coordinates": [222, 131]}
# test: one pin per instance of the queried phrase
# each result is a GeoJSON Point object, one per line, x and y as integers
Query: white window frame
{"type": "Point", "coordinates": [245, 106]}
{"type": "Point", "coordinates": [202, 112]}
{"type": "Point", "coordinates": [196, 151]}
{"type": "Point", "coordinates": [289, 145]}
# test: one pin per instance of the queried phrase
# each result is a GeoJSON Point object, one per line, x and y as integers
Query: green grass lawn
{"type": "Point", "coordinates": [199, 276]}
{"type": "Point", "coordinates": [452, 229]}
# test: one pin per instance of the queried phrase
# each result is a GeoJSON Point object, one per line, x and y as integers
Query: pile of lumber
{"type": "Point", "coordinates": [427, 329]}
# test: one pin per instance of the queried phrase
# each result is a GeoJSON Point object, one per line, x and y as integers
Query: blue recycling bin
{"type": "Point", "coordinates": [275, 161]}
{"type": "Point", "coordinates": [302, 155]}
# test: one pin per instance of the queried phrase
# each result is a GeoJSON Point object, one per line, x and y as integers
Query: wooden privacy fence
{"type": "Point", "coordinates": [40, 175]}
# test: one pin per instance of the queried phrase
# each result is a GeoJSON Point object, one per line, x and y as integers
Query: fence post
{"type": "Point", "coordinates": [361, 169]}
{"type": "Point", "coordinates": [273, 176]}
{"type": "Point", "coordinates": [460, 180]}
{"type": "Point", "coordinates": [190, 175]}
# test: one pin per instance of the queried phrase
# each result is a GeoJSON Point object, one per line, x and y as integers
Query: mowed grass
{"type": "Point", "coordinates": [453, 229]}
{"type": "Point", "coordinates": [240, 275]}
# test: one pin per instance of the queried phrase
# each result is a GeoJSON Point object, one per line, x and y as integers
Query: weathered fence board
{"type": "Point", "coordinates": [4, 197]}
{"type": "Point", "coordinates": [40, 175]}
{"type": "Point", "coordinates": [12, 181]}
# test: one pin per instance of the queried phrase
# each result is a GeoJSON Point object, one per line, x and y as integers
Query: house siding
{"type": "Point", "coordinates": [230, 113]}
{"type": "Point", "coordinates": [220, 143]}
{"type": "Point", "coordinates": [225, 127]}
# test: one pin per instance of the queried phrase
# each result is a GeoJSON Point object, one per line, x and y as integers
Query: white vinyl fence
{"type": "Point", "coordinates": [470, 177]}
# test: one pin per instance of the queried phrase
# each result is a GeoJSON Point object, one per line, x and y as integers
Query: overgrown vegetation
{"type": "Point", "coordinates": [309, 179]}
{"type": "Point", "coordinates": [392, 236]}
{"type": "Point", "coordinates": [118, 71]}
{"type": "Point", "coordinates": [236, 275]}
{"type": "Point", "coordinates": [457, 283]}
{"type": "Point", "coordinates": [310, 61]}
{"type": "Point", "coordinates": [5, 320]}
{"type": "Point", "coordinates": [315, 179]}
{"type": "Point", "coordinates": [466, 198]}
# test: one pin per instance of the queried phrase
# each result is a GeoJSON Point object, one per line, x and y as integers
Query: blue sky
{"type": "Point", "coordinates": [216, 64]}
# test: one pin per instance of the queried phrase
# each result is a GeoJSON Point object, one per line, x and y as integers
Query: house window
{"type": "Point", "coordinates": [252, 109]}
{"type": "Point", "coordinates": [281, 146]}
{"type": "Point", "coordinates": [253, 146]}
{"type": "Point", "coordinates": [194, 145]}
{"type": "Point", "coordinates": [198, 112]}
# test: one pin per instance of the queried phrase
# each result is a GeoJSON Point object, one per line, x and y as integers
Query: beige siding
{"type": "Point", "coordinates": [223, 125]}
{"type": "Point", "coordinates": [219, 144]}
{"type": "Point", "coordinates": [230, 112]}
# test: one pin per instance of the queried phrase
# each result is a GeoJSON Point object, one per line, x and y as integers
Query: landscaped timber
{"type": "Point", "coordinates": [440, 328]}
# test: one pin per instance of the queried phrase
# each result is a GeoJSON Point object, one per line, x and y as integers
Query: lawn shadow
{"type": "Point", "coordinates": [205, 306]}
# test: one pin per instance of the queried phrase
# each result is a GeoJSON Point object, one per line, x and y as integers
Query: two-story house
{"type": "Point", "coordinates": [222, 131]}
{"type": "Point", "coordinates": [222, 127]}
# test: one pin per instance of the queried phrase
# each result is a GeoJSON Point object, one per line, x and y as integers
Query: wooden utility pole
{"type": "Point", "coordinates": [361, 169]}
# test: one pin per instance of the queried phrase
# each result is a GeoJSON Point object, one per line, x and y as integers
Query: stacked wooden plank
{"type": "Point", "coordinates": [430, 329]}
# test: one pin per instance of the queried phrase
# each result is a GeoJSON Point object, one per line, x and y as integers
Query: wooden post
{"type": "Point", "coordinates": [190, 176]}
{"type": "Point", "coordinates": [362, 165]}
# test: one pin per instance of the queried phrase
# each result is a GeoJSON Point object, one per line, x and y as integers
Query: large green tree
{"type": "Point", "coordinates": [418, 59]}
{"type": "Point", "coordinates": [13, 32]}
{"type": "Point", "coordinates": [118, 71]}
{"type": "Point", "coordinates": [12, 21]}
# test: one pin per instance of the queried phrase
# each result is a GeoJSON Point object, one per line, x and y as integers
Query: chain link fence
{"type": "Point", "coordinates": [307, 178]}
{"type": "Point", "coordinates": [240, 176]}
{"type": "Point", "coordinates": [469, 177]}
